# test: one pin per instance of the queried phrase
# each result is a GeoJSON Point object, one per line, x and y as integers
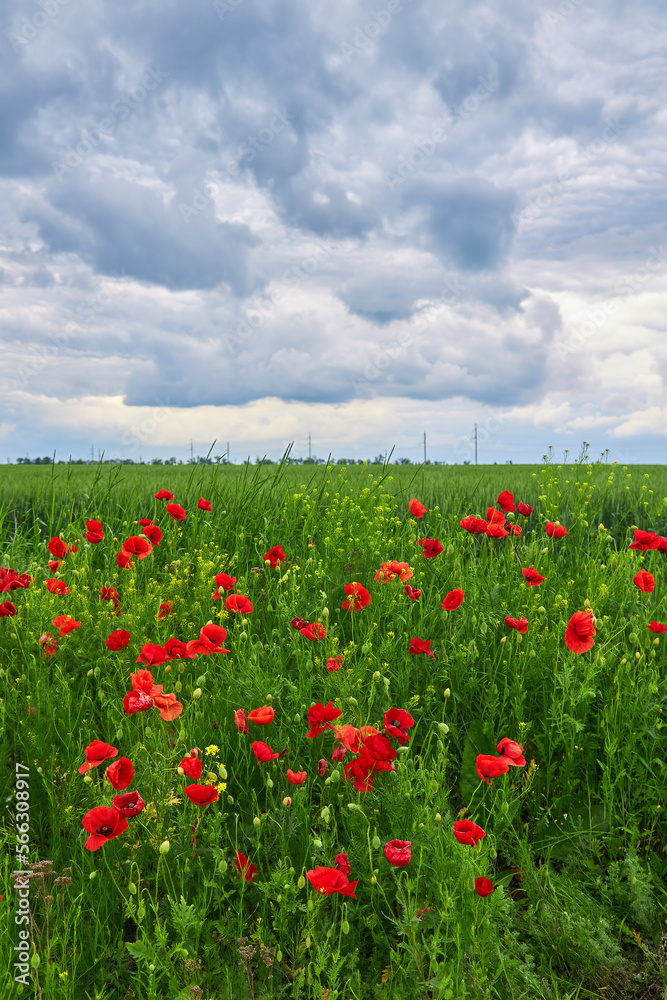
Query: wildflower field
{"type": "Point", "coordinates": [342, 734]}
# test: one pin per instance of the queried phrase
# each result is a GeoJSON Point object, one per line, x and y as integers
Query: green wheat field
{"type": "Point", "coordinates": [242, 758]}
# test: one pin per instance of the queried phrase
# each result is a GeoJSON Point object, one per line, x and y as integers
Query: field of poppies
{"type": "Point", "coordinates": [335, 734]}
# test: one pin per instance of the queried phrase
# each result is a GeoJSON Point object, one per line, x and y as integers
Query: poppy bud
{"type": "Point", "coordinates": [440, 746]}
{"type": "Point", "coordinates": [180, 771]}
{"type": "Point", "coordinates": [148, 731]}
{"type": "Point", "coordinates": [438, 817]}
{"type": "Point", "coordinates": [544, 550]}
{"type": "Point", "coordinates": [345, 927]}
{"type": "Point", "coordinates": [287, 801]}
{"type": "Point", "coordinates": [132, 888]}
{"type": "Point", "coordinates": [201, 680]}
{"type": "Point", "coordinates": [230, 799]}
{"type": "Point", "coordinates": [325, 814]}
{"type": "Point", "coordinates": [377, 675]}
{"type": "Point", "coordinates": [301, 882]}
{"type": "Point", "coordinates": [119, 734]}
{"type": "Point", "coordinates": [638, 656]}
{"type": "Point", "coordinates": [353, 807]}
{"type": "Point", "coordinates": [352, 702]}
{"type": "Point", "coordinates": [656, 642]}
{"type": "Point", "coordinates": [443, 727]}
{"type": "Point", "coordinates": [335, 776]}
{"type": "Point", "coordinates": [87, 778]}
{"type": "Point", "coordinates": [35, 961]}
{"type": "Point", "coordinates": [269, 783]}
{"type": "Point", "coordinates": [256, 821]}
{"type": "Point", "coordinates": [164, 847]}
{"type": "Point", "coordinates": [317, 844]}
{"type": "Point", "coordinates": [222, 771]}
{"type": "Point", "coordinates": [623, 661]}
{"type": "Point", "coordinates": [297, 717]}
{"type": "Point", "coordinates": [373, 880]}
{"type": "Point", "coordinates": [504, 639]}
{"type": "Point", "coordinates": [178, 687]}
{"type": "Point", "coordinates": [377, 843]}
{"type": "Point", "coordinates": [196, 694]}
{"type": "Point", "coordinates": [269, 697]}
{"type": "Point", "coordinates": [541, 610]}
{"type": "Point", "coordinates": [325, 612]}
{"type": "Point", "coordinates": [89, 674]}
{"type": "Point", "coordinates": [446, 693]}
{"type": "Point", "coordinates": [222, 865]}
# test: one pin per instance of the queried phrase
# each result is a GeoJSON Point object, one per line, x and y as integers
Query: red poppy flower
{"type": "Point", "coordinates": [554, 530]}
{"type": "Point", "coordinates": [350, 736]}
{"type": "Point", "coordinates": [152, 533]}
{"type": "Point", "coordinates": [7, 609]}
{"type": "Point", "coordinates": [515, 529]}
{"type": "Point", "coordinates": [144, 521]}
{"type": "Point", "coordinates": [151, 653]}
{"type": "Point", "coordinates": [274, 556]}
{"type": "Point", "coordinates": [164, 495]}
{"type": "Point", "coordinates": [204, 504]}
{"type": "Point", "coordinates": [314, 632]}
{"type": "Point", "coordinates": [474, 525]}
{"type": "Point", "coordinates": [94, 533]}
{"type": "Point", "coordinates": [645, 540]}
{"type": "Point", "coordinates": [321, 716]}
{"type": "Point", "coordinates": [488, 766]}
{"type": "Point", "coordinates": [142, 681]}
{"type": "Point", "coordinates": [103, 823]}
{"type": "Point", "coordinates": [136, 701]}
{"type": "Point", "coordinates": [261, 716]}
{"type": "Point", "coordinates": [175, 649]}
{"type": "Point", "coordinates": [520, 624]}
{"type": "Point", "coordinates": [580, 632]}
{"type": "Point", "coordinates": [398, 852]}
{"type": "Point", "coordinates": [513, 751]}
{"type": "Point", "coordinates": [484, 886]}
{"type": "Point", "coordinates": [413, 594]}
{"type": "Point", "coordinates": [506, 501]}
{"type": "Point", "coordinates": [420, 646]}
{"type": "Point", "coordinates": [263, 751]}
{"type": "Point", "coordinates": [225, 582]}
{"type": "Point", "coordinates": [240, 721]}
{"type": "Point", "coordinates": [11, 580]}
{"type": "Point", "coordinates": [654, 626]}
{"type": "Point", "coordinates": [56, 586]}
{"type": "Point", "coordinates": [453, 600]}
{"type": "Point", "coordinates": [60, 549]}
{"type": "Point", "coordinates": [357, 597]}
{"type": "Point", "coordinates": [49, 644]}
{"type": "Point", "coordinates": [342, 863]}
{"type": "Point", "coordinates": [525, 509]}
{"type": "Point", "coordinates": [54, 565]}
{"type": "Point", "coordinates": [494, 529]}
{"type": "Point", "coordinates": [322, 767]}
{"type": "Point", "coordinates": [65, 624]}
{"type": "Point", "coordinates": [176, 512]}
{"type": "Point", "coordinates": [202, 795]}
{"type": "Point", "coordinates": [244, 868]}
{"type": "Point", "coordinates": [213, 636]}
{"type": "Point", "coordinates": [644, 581]}
{"type": "Point", "coordinates": [396, 722]}
{"type": "Point", "coordinates": [168, 705]}
{"type": "Point", "coordinates": [390, 570]}
{"type": "Point", "coordinates": [431, 547]}
{"type": "Point", "coordinates": [165, 609]}
{"type": "Point", "coordinates": [239, 604]}
{"type": "Point", "coordinates": [467, 832]}
{"type": "Point", "coordinates": [109, 594]}
{"type": "Point", "coordinates": [191, 766]}
{"type": "Point", "coordinates": [338, 754]}
{"type": "Point", "coordinates": [117, 640]}
{"type": "Point", "coordinates": [417, 509]}
{"type": "Point", "coordinates": [137, 546]}
{"type": "Point", "coordinates": [532, 577]}
{"type": "Point", "coordinates": [123, 560]}
{"type": "Point", "coordinates": [299, 623]}
{"type": "Point", "coordinates": [330, 880]}
{"type": "Point", "coordinates": [120, 773]}
{"type": "Point", "coordinates": [296, 777]}
{"type": "Point", "coordinates": [333, 662]}
{"type": "Point", "coordinates": [494, 516]}
{"type": "Point", "coordinates": [129, 804]}
{"type": "Point", "coordinates": [96, 753]}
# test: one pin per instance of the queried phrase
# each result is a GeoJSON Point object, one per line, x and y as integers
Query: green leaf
{"type": "Point", "coordinates": [140, 952]}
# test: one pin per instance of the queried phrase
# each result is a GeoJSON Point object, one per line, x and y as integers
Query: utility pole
{"type": "Point", "coordinates": [424, 447]}
{"type": "Point", "coordinates": [192, 454]}
{"type": "Point", "coordinates": [475, 444]}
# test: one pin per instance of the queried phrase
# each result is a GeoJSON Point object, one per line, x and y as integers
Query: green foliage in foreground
{"type": "Point", "coordinates": [575, 841]}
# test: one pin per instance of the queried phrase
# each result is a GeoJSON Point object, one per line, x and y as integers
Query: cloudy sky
{"type": "Point", "coordinates": [248, 220]}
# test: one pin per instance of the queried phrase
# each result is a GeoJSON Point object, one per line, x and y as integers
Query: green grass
{"type": "Point", "coordinates": [575, 840]}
